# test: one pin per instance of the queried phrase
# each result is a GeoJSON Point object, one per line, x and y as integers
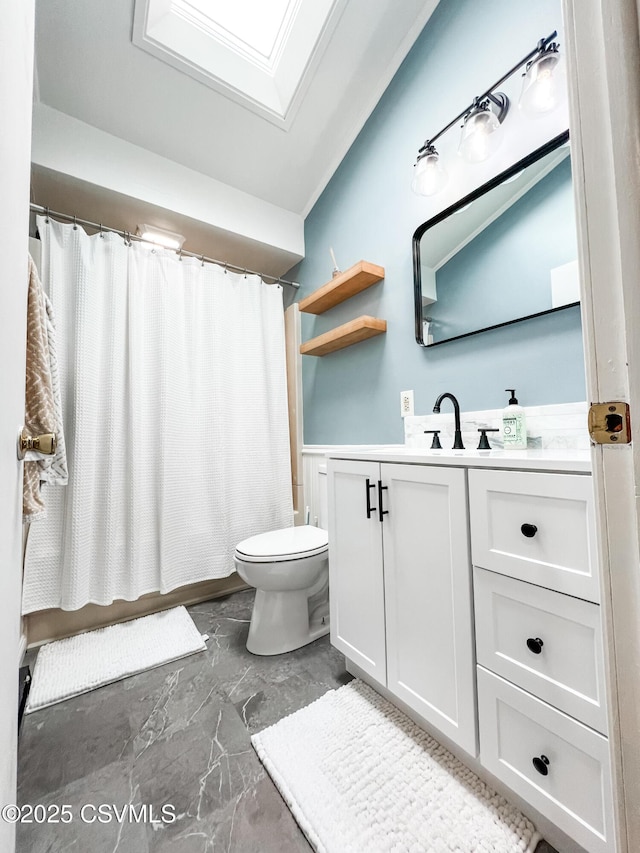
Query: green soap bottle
{"type": "Point", "coordinates": [514, 426]}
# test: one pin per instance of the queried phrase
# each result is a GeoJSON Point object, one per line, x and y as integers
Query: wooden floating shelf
{"type": "Point", "coordinates": [343, 336]}
{"type": "Point", "coordinates": [343, 286]}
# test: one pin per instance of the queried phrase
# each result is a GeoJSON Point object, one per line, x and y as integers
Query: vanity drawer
{"type": "Point", "coordinates": [574, 788]}
{"type": "Point", "coordinates": [546, 642]}
{"type": "Point", "coordinates": [536, 527]}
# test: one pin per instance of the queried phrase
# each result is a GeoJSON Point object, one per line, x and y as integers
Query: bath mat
{"type": "Point", "coordinates": [76, 665]}
{"type": "Point", "coordinates": [360, 777]}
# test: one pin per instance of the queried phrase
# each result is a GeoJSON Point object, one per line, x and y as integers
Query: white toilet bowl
{"type": "Point", "coordinates": [289, 569]}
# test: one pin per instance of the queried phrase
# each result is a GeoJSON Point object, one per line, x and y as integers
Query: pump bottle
{"type": "Point", "coordinates": [514, 427]}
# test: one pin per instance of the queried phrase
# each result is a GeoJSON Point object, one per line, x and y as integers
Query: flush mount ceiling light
{"type": "Point", "coordinates": [160, 236]}
{"type": "Point", "coordinates": [543, 90]}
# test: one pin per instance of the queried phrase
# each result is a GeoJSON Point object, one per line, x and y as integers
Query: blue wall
{"type": "Point", "coordinates": [368, 212]}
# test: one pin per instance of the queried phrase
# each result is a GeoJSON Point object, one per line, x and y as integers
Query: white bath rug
{"type": "Point", "coordinates": [76, 665]}
{"type": "Point", "coordinates": [360, 777]}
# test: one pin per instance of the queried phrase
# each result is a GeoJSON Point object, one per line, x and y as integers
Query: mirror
{"type": "Point", "coordinates": [505, 253]}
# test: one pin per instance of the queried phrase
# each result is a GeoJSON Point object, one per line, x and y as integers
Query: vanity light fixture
{"type": "Point", "coordinates": [543, 90]}
{"type": "Point", "coordinates": [544, 84]}
{"type": "Point", "coordinates": [430, 175]}
{"type": "Point", "coordinates": [482, 128]}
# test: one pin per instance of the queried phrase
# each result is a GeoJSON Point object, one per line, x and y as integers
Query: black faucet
{"type": "Point", "coordinates": [457, 441]}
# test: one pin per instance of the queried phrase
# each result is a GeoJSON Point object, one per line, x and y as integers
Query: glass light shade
{"type": "Point", "coordinates": [481, 136]}
{"type": "Point", "coordinates": [543, 86]}
{"type": "Point", "coordinates": [430, 176]}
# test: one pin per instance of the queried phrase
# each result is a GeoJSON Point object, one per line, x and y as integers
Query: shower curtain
{"type": "Point", "coordinates": [175, 407]}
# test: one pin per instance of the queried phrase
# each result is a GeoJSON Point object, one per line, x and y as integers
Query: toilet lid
{"type": "Point", "coordinates": [290, 543]}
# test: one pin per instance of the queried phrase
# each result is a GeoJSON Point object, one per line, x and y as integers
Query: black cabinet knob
{"type": "Point", "coordinates": [529, 530]}
{"type": "Point", "coordinates": [535, 645]}
{"type": "Point", "coordinates": [541, 764]}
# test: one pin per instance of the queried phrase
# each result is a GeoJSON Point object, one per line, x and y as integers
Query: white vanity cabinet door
{"type": "Point", "coordinates": [430, 655]}
{"type": "Point", "coordinates": [356, 584]}
{"type": "Point", "coordinates": [546, 642]}
{"type": "Point", "coordinates": [519, 734]}
{"type": "Point", "coordinates": [537, 527]}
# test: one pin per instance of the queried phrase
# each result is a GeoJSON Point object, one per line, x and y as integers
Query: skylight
{"type": "Point", "coordinates": [259, 53]}
{"type": "Point", "coordinates": [254, 26]}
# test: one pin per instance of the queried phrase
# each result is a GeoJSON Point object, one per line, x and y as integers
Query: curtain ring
{"type": "Point", "coordinates": [202, 260]}
{"type": "Point", "coordinates": [75, 223]}
{"type": "Point", "coordinates": [46, 215]}
{"type": "Point", "coordinates": [179, 254]}
{"type": "Point", "coordinates": [225, 269]}
{"type": "Point", "coordinates": [101, 232]}
{"type": "Point", "coordinates": [245, 272]}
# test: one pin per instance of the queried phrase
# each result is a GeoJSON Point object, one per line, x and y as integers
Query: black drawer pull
{"type": "Point", "coordinates": [381, 489]}
{"type": "Point", "coordinates": [535, 645]}
{"type": "Point", "coordinates": [529, 530]}
{"type": "Point", "coordinates": [370, 509]}
{"type": "Point", "coordinates": [542, 765]}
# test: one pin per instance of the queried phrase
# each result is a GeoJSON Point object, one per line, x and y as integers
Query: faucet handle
{"type": "Point", "coordinates": [484, 441]}
{"type": "Point", "coordinates": [435, 443]}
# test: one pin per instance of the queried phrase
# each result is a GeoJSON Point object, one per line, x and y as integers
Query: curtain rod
{"type": "Point", "coordinates": [38, 208]}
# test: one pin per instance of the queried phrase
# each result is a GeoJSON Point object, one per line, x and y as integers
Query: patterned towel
{"type": "Point", "coordinates": [43, 411]}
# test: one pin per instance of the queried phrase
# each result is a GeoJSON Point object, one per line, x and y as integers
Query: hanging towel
{"type": "Point", "coordinates": [43, 410]}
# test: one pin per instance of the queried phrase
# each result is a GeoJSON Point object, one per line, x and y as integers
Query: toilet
{"type": "Point", "coordinates": [289, 569]}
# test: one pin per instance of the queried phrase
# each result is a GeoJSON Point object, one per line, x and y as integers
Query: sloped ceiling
{"type": "Point", "coordinates": [88, 67]}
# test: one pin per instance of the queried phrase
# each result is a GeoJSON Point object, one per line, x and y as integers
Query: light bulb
{"type": "Point", "coordinates": [430, 176]}
{"type": "Point", "coordinates": [481, 135]}
{"type": "Point", "coordinates": [544, 85]}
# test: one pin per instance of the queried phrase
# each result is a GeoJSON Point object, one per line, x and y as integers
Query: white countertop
{"type": "Point", "coordinates": [575, 461]}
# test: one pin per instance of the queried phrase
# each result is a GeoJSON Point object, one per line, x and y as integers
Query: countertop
{"type": "Point", "coordinates": [573, 461]}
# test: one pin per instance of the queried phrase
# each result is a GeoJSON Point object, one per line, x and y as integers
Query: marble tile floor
{"type": "Point", "coordinates": [178, 736]}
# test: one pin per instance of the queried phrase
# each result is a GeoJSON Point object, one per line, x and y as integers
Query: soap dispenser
{"type": "Point", "coordinates": [514, 428]}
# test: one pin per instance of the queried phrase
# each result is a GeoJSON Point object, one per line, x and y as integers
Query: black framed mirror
{"type": "Point", "coordinates": [502, 254]}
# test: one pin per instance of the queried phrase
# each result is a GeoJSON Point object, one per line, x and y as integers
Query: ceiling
{"type": "Point", "coordinates": [88, 67]}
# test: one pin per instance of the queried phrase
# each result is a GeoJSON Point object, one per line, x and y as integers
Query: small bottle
{"type": "Point", "coordinates": [514, 427]}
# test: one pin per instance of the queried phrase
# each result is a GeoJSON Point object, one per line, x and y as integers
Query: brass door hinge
{"type": "Point", "coordinates": [610, 423]}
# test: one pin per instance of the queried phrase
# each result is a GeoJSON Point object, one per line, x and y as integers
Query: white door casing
{"type": "Point", "coordinates": [604, 89]}
{"type": "Point", "coordinates": [16, 84]}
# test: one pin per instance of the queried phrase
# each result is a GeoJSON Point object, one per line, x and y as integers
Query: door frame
{"type": "Point", "coordinates": [603, 47]}
{"type": "Point", "coordinates": [16, 87]}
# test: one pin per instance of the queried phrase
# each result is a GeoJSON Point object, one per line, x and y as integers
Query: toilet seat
{"type": "Point", "coordinates": [290, 543]}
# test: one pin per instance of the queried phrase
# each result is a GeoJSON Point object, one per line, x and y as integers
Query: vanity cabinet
{"type": "Point", "coordinates": [400, 586]}
{"type": "Point", "coordinates": [541, 693]}
{"type": "Point", "coordinates": [471, 593]}
{"type": "Point", "coordinates": [538, 527]}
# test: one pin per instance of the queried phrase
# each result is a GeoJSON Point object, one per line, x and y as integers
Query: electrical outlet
{"type": "Point", "coordinates": [406, 403]}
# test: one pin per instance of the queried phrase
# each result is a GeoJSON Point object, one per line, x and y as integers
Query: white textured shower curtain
{"type": "Point", "coordinates": [175, 409]}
